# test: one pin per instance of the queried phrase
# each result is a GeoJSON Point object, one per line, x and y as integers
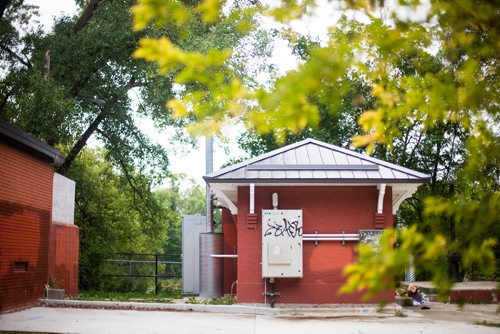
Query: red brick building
{"type": "Point", "coordinates": [38, 240]}
{"type": "Point", "coordinates": [326, 200]}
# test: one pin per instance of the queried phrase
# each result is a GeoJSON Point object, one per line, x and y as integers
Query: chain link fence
{"type": "Point", "coordinates": [142, 272]}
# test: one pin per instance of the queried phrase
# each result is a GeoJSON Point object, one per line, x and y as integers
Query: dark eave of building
{"type": "Point", "coordinates": [29, 144]}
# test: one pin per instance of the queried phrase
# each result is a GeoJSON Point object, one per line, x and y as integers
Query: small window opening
{"type": "Point", "coordinates": [20, 266]}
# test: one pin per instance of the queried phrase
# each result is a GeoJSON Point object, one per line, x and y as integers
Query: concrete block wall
{"type": "Point", "coordinates": [64, 236]}
{"type": "Point", "coordinates": [63, 200]}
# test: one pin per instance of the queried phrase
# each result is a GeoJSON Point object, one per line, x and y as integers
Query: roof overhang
{"type": "Point", "coordinates": [29, 144]}
{"type": "Point", "coordinates": [227, 192]}
{"type": "Point", "coordinates": [315, 163]}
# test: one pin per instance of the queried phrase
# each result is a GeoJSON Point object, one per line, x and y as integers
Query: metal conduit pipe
{"type": "Point", "coordinates": [330, 239]}
{"type": "Point", "coordinates": [272, 294]}
{"type": "Point", "coordinates": [232, 286]}
{"type": "Point", "coordinates": [341, 239]}
{"type": "Point", "coordinates": [353, 235]}
{"type": "Point", "coordinates": [265, 292]}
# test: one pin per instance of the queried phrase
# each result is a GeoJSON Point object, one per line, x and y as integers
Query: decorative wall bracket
{"type": "Point", "coordinates": [379, 221]}
{"type": "Point", "coordinates": [252, 221]}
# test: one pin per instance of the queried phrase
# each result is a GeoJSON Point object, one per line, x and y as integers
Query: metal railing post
{"type": "Point", "coordinates": [156, 274]}
{"type": "Point", "coordinates": [129, 280]}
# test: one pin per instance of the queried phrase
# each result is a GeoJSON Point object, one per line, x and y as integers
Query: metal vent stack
{"type": "Point", "coordinates": [211, 269]}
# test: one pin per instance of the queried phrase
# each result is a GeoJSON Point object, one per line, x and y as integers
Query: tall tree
{"type": "Point", "coordinates": [92, 84]}
{"type": "Point", "coordinates": [79, 81]}
{"type": "Point", "coordinates": [111, 218]}
{"type": "Point", "coordinates": [334, 128]}
{"type": "Point", "coordinates": [460, 94]}
{"type": "Point", "coordinates": [438, 153]}
{"type": "Point", "coordinates": [177, 202]}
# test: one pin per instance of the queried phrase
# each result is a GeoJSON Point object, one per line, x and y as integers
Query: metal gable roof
{"type": "Point", "coordinates": [313, 161]}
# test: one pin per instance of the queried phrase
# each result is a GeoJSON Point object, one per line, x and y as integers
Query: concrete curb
{"type": "Point", "coordinates": [293, 312]}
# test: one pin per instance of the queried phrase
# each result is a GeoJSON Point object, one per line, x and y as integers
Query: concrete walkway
{"type": "Point", "coordinates": [73, 320]}
{"type": "Point", "coordinates": [325, 311]}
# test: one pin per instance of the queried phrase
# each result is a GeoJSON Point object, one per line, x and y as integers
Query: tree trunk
{"type": "Point", "coordinates": [86, 15]}
{"type": "Point", "coordinates": [3, 7]}
{"type": "Point", "coordinates": [453, 258]}
{"type": "Point", "coordinates": [454, 267]}
{"type": "Point", "coordinates": [437, 158]}
{"type": "Point", "coordinates": [46, 65]}
{"type": "Point", "coordinates": [15, 55]}
{"type": "Point", "coordinates": [80, 144]}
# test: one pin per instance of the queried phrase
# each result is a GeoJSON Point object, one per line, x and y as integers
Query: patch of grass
{"type": "Point", "coordinates": [168, 290]}
{"type": "Point", "coordinates": [193, 300]}
{"type": "Point", "coordinates": [174, 285]}
{"type": "Point", "coordinates": [94, 295]}
{"type": "Point", "coordinates": [381, 305]}
{"type": "Point", "coordinates": [399, 313]}
{"type": "Point", "coordinates": [226, 300]}
{"type": "Point", "coordinates": [488, 323]}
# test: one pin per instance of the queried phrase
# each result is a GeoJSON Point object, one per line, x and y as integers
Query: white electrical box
{"type": "Point", "coordinates": [282, 243]}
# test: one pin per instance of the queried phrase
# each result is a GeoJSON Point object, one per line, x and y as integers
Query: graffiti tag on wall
{"type": "Point", "coordinates": [289, 228]}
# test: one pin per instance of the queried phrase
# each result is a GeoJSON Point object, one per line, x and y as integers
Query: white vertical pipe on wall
{"type": "Point", "coordinates": [252, 197]}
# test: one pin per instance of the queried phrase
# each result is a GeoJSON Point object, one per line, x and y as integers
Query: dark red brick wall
{"type": "Point", "coordinates": [326, 210]}
{"type": "Point", "coordinates": [63, 256]}
{"type": "Point", "coordinates": [25, 214]}
{"type": "Point", "coordinates": [474, 296]}
{"type": "Point", "coordinates": [229, 230]}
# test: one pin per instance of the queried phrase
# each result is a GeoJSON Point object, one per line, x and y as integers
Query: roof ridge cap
{"type": "Point", "coordinates": [258, 158]}
{"type": "Point", "coordinates": [372, 160]}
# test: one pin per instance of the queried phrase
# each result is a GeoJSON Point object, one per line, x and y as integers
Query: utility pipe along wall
{"type": "Point", "coordinates": [211, 268]}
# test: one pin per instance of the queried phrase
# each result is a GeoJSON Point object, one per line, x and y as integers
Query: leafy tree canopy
{"type": "Point", "coordinates": [79, 81]}
{"type": "Point", "coordinates": [440, 71]}
{"type": "Point", "coordinates": [111, 216]}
